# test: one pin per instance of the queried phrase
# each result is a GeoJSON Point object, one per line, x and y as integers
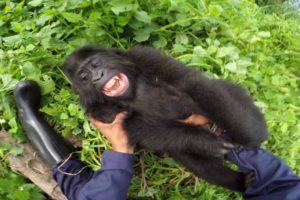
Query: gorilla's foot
{"type": "Point", "coordinates": [51, 147]}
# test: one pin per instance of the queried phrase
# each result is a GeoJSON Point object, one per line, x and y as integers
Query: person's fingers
{"type": "Point", "coordinates": [195, 119]}
{"type": "Point", "coordinates": [120, 117]}
{"type": "Point", "coordinates": [96, 123]}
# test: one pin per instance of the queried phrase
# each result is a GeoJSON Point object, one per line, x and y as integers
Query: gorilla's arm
{"type": "Point", "coordinates": [231, 108]}
{"type": "Point", "coordinates": [174, 137]}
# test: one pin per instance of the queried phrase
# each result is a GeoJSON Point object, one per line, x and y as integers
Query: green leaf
{"type": "Point", "coordinates": [143, 17]}
{"type": "Point", "coordinates": [119, 6]}
{"type": "Point", "coordinates": [215, 10]}
{"type": "Point", "coordinates": [181, 38]}
{"type": "Point", "coordinates": [35, 3]}
{"type": "Point", "coordinates": [161, 42]}
{"type": "Point", "coordinates": [7, 82]}
{"type": "Point", "coordinates": [212, 49]}
{"type": "Point", "coordinates": [63, 116]}
{"type": "Point", "coordinates": [30, 47]}
{"type": "Point", "coordinates": [244, 62]}
{"type": "Point", "coordinates": [5, 146]}
{"type": "Point", "coordinates": [142, 34]}
{"type": "Point", "coordinates": [264, 34]}
{"type": "Point", "coordinates": [29, 70]}
{"type": "Point", "coordinates": [73, 109]}
{"type": "Point", "coordinates": [47, 84]}
{"type": "Point", "coordinates": [16, 151]}
{"type": "Point", "coordinates": [5, 185]}
{"type": "Point", "coordinates": [199, 50]}
{"type": "Point", "coordinates": [17, 27]}
{"type": "Point", "coordinates": [229, 51]}
{"type": "Point", "coordinates": [72, 17]}
{"type": "Point", "coordinates": [179, 48]}
{"type": "Point", "coordinates": [12, 41]}
{"type": "Point", "coordinates": [21, 194]}
{"type": "Point", "coordinates": [231, 67]}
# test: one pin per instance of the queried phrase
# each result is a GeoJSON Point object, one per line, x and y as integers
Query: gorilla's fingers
{"type": "Point", "coordinates": [229, 145]}
{"type": "Point", "coordinates": [225, 148]}
{"type": "Point", "coordinates": [249, 178]}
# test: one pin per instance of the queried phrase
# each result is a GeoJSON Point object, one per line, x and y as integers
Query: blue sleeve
{"type": "Point", "coordinates": [110, 182]}
{"type": "Point", "coordinates": [274, 180]}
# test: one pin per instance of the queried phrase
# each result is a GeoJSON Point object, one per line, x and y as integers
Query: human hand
{"type": "Point", "coordinates": [115, 133]}
{"type": "Point", "coordinates": [195, 120]}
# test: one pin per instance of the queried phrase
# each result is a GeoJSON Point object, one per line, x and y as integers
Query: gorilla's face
{"type": "Point", "coordinates": [104, 75]}
{"type": "Point", "coordinates": [101, 71]}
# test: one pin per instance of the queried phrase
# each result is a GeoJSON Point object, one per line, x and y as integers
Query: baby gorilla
{"type": "Point", "coordinates": [156, 91]}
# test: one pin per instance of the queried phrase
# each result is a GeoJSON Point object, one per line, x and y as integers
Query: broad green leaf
{"type": "Point", "coordinates": [30, 47]}
{"type": "Point", "coordinates": [199, 50]}
{"type": "Point", "coordinates": [212, 49]}
{"type": "Point", "coordinates": [29, 70]}
{"type": "Point", "coordinates": [215, 10]}
{"type": "Point", "coordinates": [17, 27]}
{"type": "Point", "coordinates": [244, 62]}
{"type": "Point", "coordinates": [161, 42]}
{"type": "Point", "coordinates": [142, 34]}
{"type": "Point", "coordinates": [229, 51]}
{"type": "Point", "coordinates": [181, 38]}
{"type": "Point", "coordinates": [143, 17]}
{"type": "Point", "coordinates": [231, 67]}
{"type": "Point", "coordinates": [35, 3]}
{"type": "Point", "coordinates": [179, 48]}
{"type": "Point", "coordinates": [72, 17]}
{"type": "Point", "coordinates": [7, 82]}
{"type": "Point", "coordinates": [47, 84]}
{"type": "Point", "coordinates": [119, 6]}
{"type": "Point", "coordinates": [21, 194]}
{"type": "Point", "coordinates": [73, 109]}
{"type": "Point", "coordinates": [264, 34]}
{"type": "Point", "coordinates": [64, 116]}
{"type": "Point", "coordinates": [11, 41]}
{"type": "Point", "coordinates": [16, 151]}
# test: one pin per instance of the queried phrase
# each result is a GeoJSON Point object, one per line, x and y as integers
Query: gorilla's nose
{"type": "Point", "coordinates": [99, 74]}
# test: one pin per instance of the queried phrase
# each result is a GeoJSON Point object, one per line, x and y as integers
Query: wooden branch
{"type": "Point", "coordinates": [33, 167]}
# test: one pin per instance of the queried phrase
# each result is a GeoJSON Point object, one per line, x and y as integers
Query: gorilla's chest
{"type": "Point", "coordinates": [163, 102]}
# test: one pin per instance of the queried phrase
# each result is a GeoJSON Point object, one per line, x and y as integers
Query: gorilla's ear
{"type": "Point", "coordinates": [68, 69]}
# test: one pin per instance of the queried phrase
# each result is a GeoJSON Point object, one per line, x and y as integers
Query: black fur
{"type": "Point", "coordinates": [162, 91]}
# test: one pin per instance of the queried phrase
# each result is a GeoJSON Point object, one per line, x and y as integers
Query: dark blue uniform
{"type": "Point", "coordinates": [274, 180]}
{"type": "Point", "coordinates": [111, 182]}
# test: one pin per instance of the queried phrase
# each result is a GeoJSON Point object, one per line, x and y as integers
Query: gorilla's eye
{"type": "Point", "coordinates": [84, 75]}
{"type": "Point", "coordinates": [96, 63]}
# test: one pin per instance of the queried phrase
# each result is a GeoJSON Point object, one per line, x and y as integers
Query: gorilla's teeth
{"type": "Point", "coordinates": [116, 86]}
{"type": "Point", "coordinates": [112, 84]}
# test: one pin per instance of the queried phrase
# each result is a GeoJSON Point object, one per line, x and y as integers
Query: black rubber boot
{"type": "Point", "coordinates": [51, 147]}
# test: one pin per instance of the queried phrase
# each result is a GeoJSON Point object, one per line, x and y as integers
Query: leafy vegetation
{"type": "Point", "coordinates": [254, 46]}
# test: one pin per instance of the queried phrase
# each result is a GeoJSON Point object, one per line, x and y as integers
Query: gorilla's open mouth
{"type": "Point", "coordinates": [116, 85]}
